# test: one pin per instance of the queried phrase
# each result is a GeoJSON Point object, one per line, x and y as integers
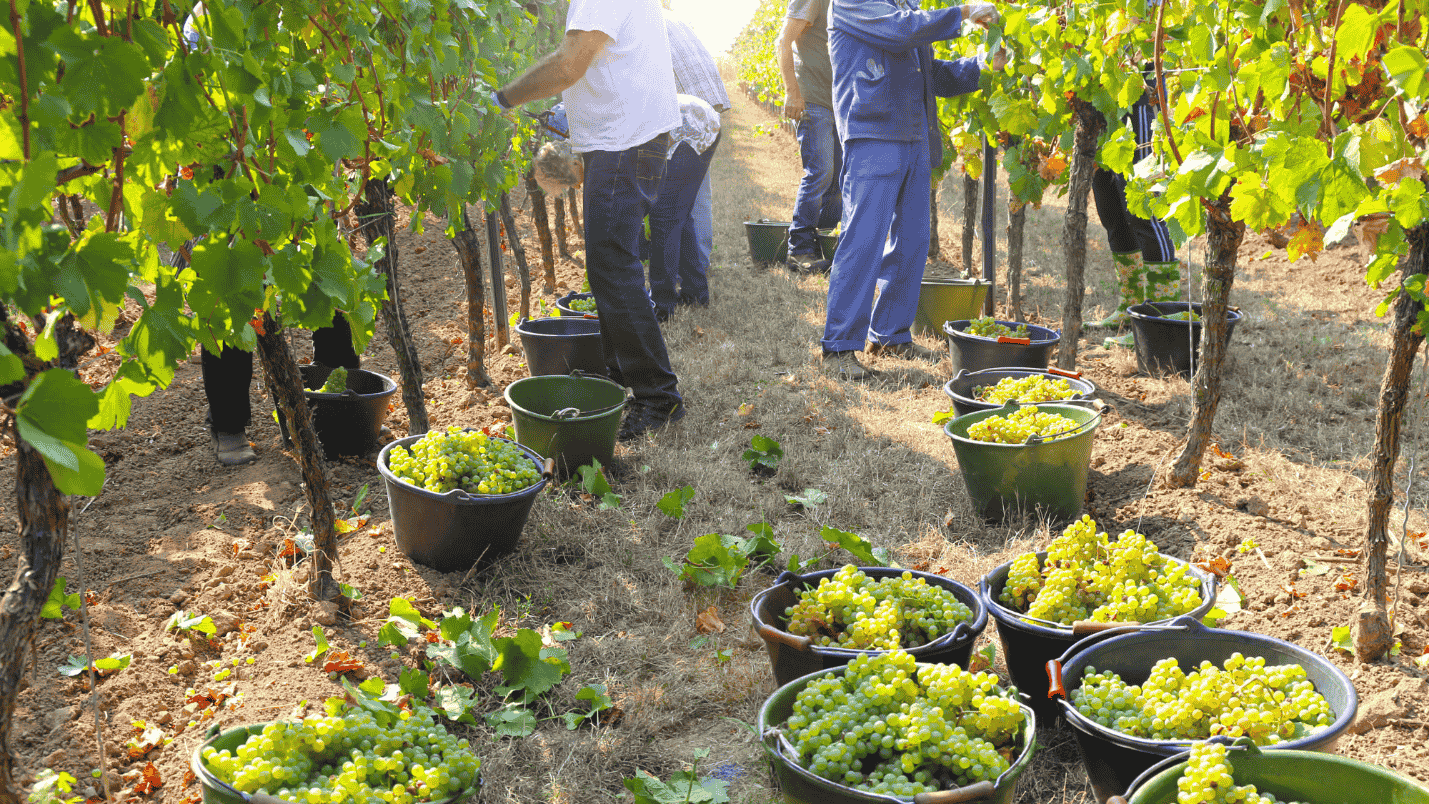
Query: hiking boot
{"type": "Point", "coordinates": [845, 366]}
{"type": "Point", "coordinates": [232, 449]}
{"type": "Point", "coordinates": [807, 264]}
{"type": "Point", "coordinates": [1127, 341]}
{"type": "Point", "coordinates": [907, 351]}
{"type": "Point", "coordinates": [641, 419]}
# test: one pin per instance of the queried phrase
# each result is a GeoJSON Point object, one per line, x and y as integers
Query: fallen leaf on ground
{"type": "Point", "coordinates": [341, 662]}
{"type": "Point", "coordinates": [708, 622]}
{"type": "Point", "coordinates": [150, 780]}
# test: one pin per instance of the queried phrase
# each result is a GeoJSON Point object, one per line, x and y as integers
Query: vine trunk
{"type": "Point", "coordinates": [522, 269]}
{"type": "Point", "coordinates": [468, 249]}
{"type": "Point", "coordinates": [543, 231]}
{"type": "Point", "coordinates": [971, 210]}
{"type": "Point", "coordinates": [1090, 125]}
{"type": "Point", "coordinates": [1016, 226]}
{"type": "Point", "coordinates": [379, 220]}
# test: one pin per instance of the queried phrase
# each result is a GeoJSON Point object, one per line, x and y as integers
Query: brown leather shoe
{"type": "Point", "coordinates": [233, 449]}
{"type": "Point", "coordinates": [907, 351]}
{"type": "Point", "coordinates": [845, 366]}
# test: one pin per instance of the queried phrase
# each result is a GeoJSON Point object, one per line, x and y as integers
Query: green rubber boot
{"type": "Point", "coordinates": [1163, 281]}
{"type": "Point", "coordinates": [1130, 277]}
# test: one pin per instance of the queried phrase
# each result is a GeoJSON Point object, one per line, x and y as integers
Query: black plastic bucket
{"type": "Point", "coordinates": [793, 656]}
{"type": "Point", "coordinates": [828, 243]}
{"type": "Point", "coordinates": [1114, 760]}
{"type": "Point", "coordinates": [349, 423]}
{"type": "Point", "coordinates": [451, 532]}
{"type": "Point", "coordinates": [963, 386]}
{"type": "Point", "coordinates": [562, 345]}
{"type": "Point", "coordinates": [972, 353]}
{"type": "Point", "coordinates": [563, 305]}
{"type": "Point", "coordinates": [1289, 776]}
{"type": "Point", "coordinates": [768, 240]}
{"type": "Point", "coordinates": [801, 786]}
{"type": "Point", "coordinates": [217, 791]}
{"type": "Point", "coordinates": [1027, 647]}
{"type": "Point", "coordinates": [571, 420]}
{"type": "Point", "coordinates": [1165, 346]}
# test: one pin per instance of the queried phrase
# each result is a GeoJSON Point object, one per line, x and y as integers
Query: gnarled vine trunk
{"type": "Point", "coordinates": [971, 211]}
{"type": "Point", "coordinates": [1373, 630]}
{"type": "Point", "coordinates": [1224, 237]}
{"type": "Point", "coordinates": [522, 269]}
{"type": "Point", "coordinates": [1016, 226]}
{"type": "Point", "coordinates": [562, 247]}
{"type": "Point", "coordinates": [468, 249]}
{"type": "Point", "coordinates": [543, 230]}
{"type": "Point", "coordinates": [1090, 125]}
{"type": "Point", "coordinates": [379, 220]}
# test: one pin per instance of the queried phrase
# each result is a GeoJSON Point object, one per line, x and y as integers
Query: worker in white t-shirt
{"type": "Point", "coordinates": [614, 75]}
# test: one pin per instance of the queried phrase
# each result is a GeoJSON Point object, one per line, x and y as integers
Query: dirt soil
{"type": "Point", "coordinates": [1281, 500]}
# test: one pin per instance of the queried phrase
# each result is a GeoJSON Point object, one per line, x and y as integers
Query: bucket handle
{"type": "Point", "coordinates": [1078, 430]}
{"type": "Point", "coordinates": [1095, 633]}
{"type": "Point", "coordinates": [981, 791]}
{"type": "Point", "coordinates": [1010, 339]}
{"type": "Point", "coordinates": [1076, 375]}
{"type": "Point", "coordinates": [772, 634]}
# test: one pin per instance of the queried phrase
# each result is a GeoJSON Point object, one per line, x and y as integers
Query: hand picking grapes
{"type": "Point", "coordinates": [890, 725]}
{"type": "Point", "coordinates": [468, 460]}
{"type": "Point", "coordinates": [851, 610]}
{"type": "Point", "coordinates": [1088, 576]}
{"type": "Point", "coordinates": [1019, 426]}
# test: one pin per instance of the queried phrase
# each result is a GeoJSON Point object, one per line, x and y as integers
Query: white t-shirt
{"type": "Point", "coordinates": [627, 96]}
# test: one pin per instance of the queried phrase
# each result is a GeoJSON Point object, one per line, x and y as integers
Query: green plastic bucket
{"type": "Point", "coordinates": [1289, 776]}
{"type": "Point", "coordinates": [768, 240]}
{"type": "Point", "coordinates": [828, 243]}
{"type": "Point", "coordinates": [571, 419]}
{"type": "Point", "coordinates": [217, 791]}
{"type": "Point", "coordinates": [1006, 479]}
{"type": "Point", "coordinates": [943, 300]}
{"type": "Point", "coordinates": [801, 786]}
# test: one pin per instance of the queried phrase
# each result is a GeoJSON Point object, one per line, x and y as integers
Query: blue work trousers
{"type": "Point", "coordinates": [817, 205]}
{"type": "Point", "coordinates": [677, 274]}
{"type": "Point", "coordinates": [620, 190]}
{"type": "Point", "coordinates": [883, 244]}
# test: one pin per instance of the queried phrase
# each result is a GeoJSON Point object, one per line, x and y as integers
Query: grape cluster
{"type": "Point", "coordinates": [1242, 698]}
{"type": "Point", "coordinates": [1088, 576]}
{"type": "Point", "coordinates": [1028, 389]}
{"type": "Point", "coordinates": [989, 327]}
{"type": "Point", "coordinates": [1184, 315]}
{"type": "Point", "coordinates": [350, 759]}
{"type": "Point", "coordinates": [851, 610]}
{"type": "Point", "coordinates": [1020, 425]}
{"type": "Point", "coordinates": [469, 460]}
{"type": "Point", "coordinates": [1208, 779]}
{"type": "Point", "coordinates": [336, 382]}
{"type": "Point", "coordinates": [586, 305]}
{"type": "Point", "coordinates": [892, 726]}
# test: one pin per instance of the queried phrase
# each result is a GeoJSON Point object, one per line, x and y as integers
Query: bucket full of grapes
{"type": "Point", "coordinates": [1084, 582]}
{"type": "Point", "coordinates": [1150, 693]}
{"type": "Point", "coordinates": [972, 391]}
{"type": "Point", "coordinates": [1293, 777]}
{"type": "Point", "coordinates": [983, 343]}
{"type": "Point", "coordinates": [1023, 458]}
{"type": "Point", "coordinates": [898, 698]}
{"type": "Point", "coordinates": [348, 407]}
{"type": "Point", "coordinates": [1168, 335]}
{"type": "Point", "coordinates": [577, 304]}
{"type": "Point", "coordinates": [569, 419]}
{"type": "Point", "coordinates": [807, 623]}
{"type": "Point", "coordinates": [277, 762]}
{"type": "Point", "coordinates": [459, 497]}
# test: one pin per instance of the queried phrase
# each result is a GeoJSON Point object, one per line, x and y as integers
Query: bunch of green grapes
{"type": "Point", "coordinates": [1088, 576]}
{"type": "Point", "coordinates": [1209, 779]}
{"type": "Point", "coordinates": [350, 759]}
{"type": "Point", "coordinates": [1242, 698]}
{"type": "Point", "coordinates": [1184, 315]}
{"type": "Point", "coordinates": [1020, 425]}
{"type": "Point", "coordinates": [586, 305]}
{"type": "Point", "coordinates": [468, 460]}
{"type": "Point", "coordinates": [1031, 388]}
{"type": "Point", "coordinates": [336, 382]}
{"type": "Point", "coordinates": [892, 726]}
{"type": "Point", "coordinates": [851, 610]}
{"type": "Point", "coordinates": [989, 327]}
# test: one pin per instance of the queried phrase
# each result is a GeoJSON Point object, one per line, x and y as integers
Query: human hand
{"type": "Point", "coordinates": [794, 107]}
{"type": "Point", "coordinates": [983, 14]}
{"type": "Point", "coordinates": [1000, 57]}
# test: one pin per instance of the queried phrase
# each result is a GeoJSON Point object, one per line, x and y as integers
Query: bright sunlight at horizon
{"type": "Point", "coordinates": [716, 23]}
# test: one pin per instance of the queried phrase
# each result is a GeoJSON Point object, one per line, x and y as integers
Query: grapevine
{"type": "Point", "coordinates": [1020, 426]}
{"type": "Point", "coordinates": [1029, 389]}
{"type": "Point", "coordinates": [889, 725]}
{"type": "Point", "coordinates": [755, 51]}
{"type": "Point", "coordinates": [851, 610]}
{"type": "Point", "coordinates": [469, 460]}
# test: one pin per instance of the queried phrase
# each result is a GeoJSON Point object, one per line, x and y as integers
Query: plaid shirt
{"type": "Point", "coordinates": [695, 70]}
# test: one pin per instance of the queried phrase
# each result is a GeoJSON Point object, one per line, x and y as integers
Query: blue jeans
{"type": "Point", "coordinates": [704, 221]}
{"type": "Point", "coordinates": [620, 190]}
{"type": "Point", "coordinates": [817, 205]}
{"type": "Point", "coordinates": [883, 244]}
{"type": "Point", "coordinates": [674, 254]}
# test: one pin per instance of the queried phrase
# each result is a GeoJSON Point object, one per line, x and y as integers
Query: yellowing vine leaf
{"type": "Point", "coordinates": [1307, 241]}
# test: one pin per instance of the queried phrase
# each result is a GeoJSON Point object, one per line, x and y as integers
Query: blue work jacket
{"type": "Point", "coordinates": [885, 77]}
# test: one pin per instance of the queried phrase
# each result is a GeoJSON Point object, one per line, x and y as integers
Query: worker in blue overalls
{"type": "Point", "coordinates": [885, 82]}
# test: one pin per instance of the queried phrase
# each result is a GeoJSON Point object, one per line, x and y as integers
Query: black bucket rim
{"type": "Point", "coordinates": [964, 375]}
{"type": "Point", "coordinates": [771, 735]}
{"type": "Point", "coordinates": [1232, 314]}
{"type": "Point", "coordinates": [1083, 427]}
{"type": "Point", "coordinates": [389, 385]}
{"type": "Point", "coordinates": [1193, 625]}
{"type": "Point", "coordinates": [968, 630]}
{"type": "Point", "coordinates": [523, 327]}
{"type": "Point", "coordinates": [458, 496]}
{"type": "Point", "coordinates": [769, 222]}
{"type": "Point", "coordinates": [1210, 586]}
{"type": "Point", "coordinates": [952, 331]}
{"type": "Point", "coordinates": [593, 416]}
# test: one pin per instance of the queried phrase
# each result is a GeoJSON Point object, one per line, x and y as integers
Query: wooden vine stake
{"type": "Point", "coordinates": [970, 216]}
{"type": "Point", "coordinates": [468, 249]}
{"type": "Point", "coordinates": [1016, 228]}
{"type": "Point", "coordinates": [543, 230]}
{"type": "Point", "coordinates": [1090, 125]}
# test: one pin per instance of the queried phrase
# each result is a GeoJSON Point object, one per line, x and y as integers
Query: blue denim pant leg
{"type": "Point", "coordinates": [673, 272]}
{"type": "Point", "coordinates": [883, 245]}
{"type": "Point", "coordinates": [703, 218]}
{"type": "Point", "coordinates": [818, 202]}
{"type": "Point", "coordinates": [620, 190]}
